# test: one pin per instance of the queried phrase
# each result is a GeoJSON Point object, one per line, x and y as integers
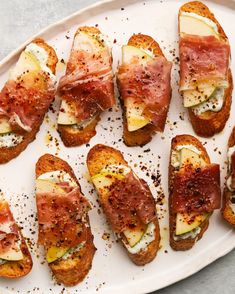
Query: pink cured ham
{"type": "Point", "coordinates": [148, 84]}
{"type": "Point", "coordinates": [60, 218]}
{"type": "Point", "coordinates": [24, 107]}
{"type": "Point", "coordinates": [127, 198]}
{"type": "Point", "coordinates": [196, 190]}
{"type": "Point", "coordinates": [88, 82]}
{"type": "Point", "coordinates": [9, 232]}
{"type": "Point", "coordinates": [202, 58]}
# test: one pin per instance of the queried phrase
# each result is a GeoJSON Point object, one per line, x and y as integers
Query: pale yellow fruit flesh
{"type": "Point", "coordinates": [130, 52]}
{"type": "Point", "coordinates": [53, 253]}
{"type": "Point", "coordinates": [133, 236]}
{"type": "Point", "coordinates": [4, 126]}
{"type": "Point", "coordinates": [44, 186]}
{"type": "Point", "coordinates": [67, 114]}
{"type": "Point", "coordinates": [12, 254]}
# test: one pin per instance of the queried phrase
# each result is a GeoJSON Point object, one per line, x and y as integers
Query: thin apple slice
{"type": "Point", "coordinates": [4, 126]}
{"type": "Point", "coordinates": [53, 253]}
{"type": "Point", "coordinates": [45, 186]}
{"type": "Point", "coordinates": [12, 254]}
{"type": "Point", "coordinates": [67, 114]}
{"type": "Point", "coordinates": [129, 52]}
{"type": "Point", "coordinates": [134, 235]}
{"type": "Point", "coordinates": [202, 93]}
{"type": "Point", "coordinates": [187, 222]}
{"type": "Point", "coordinates": [26, 63]}
{"type": "Point", "coordinates": [196, 26]}
{"type": "Point", "coordinates": [86, 42]}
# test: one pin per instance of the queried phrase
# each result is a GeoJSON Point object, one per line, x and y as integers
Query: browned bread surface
{"type": "Point", "coordinates": [18, 269]}
{"type": "Point", "coordinates": [186, 243]}
{"type": "Point", "coordinates": [226, 210]}
{"type": "Point", "coordinates": [210, 123]}
{"type": "Point", "coordinates": [72, 270]}
{"type": "Point", "coordinates": [6, 154]}
{"type": "Point", "coordinates": [100, 156]}
{"type": "Point", "coordinates": [144, 135]}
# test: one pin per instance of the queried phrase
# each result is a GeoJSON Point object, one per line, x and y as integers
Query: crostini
{"type": "Point", "coordinates": [127, 202]}
{"type": "Point", "coordinates": [143, 80]}
{"type": "Point", "coordinates": [87, 88]}
{"type": "Point", "coordinates": [64, 228]}
{"type": "Point", "coordinates": [26, 97]}
{"type": "Point", "coordinates": [228, 209]}
{"type": "Point", "coordinates": [205, 75]}
{"type": "Point", "coordinates": [194, 191]}
{"type": "Point", "coordinates": [15, 259]}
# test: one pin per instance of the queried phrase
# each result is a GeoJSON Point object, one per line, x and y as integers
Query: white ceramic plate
{"type": "Point", "coordinates": [112, 271]}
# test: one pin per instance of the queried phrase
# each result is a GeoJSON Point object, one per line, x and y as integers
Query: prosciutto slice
{"type": "Point", "coordinates": [60, 218]}
{"type": "Point", "coordinates": [24, 107]}
{"type": "Point", "coordinates": [9, 232]}
{"type": "Point", "coordinates": [148, 84]}
{"type": "Point", "coordinates": [129, 198]}
{"type": "Point", "coordinates": [196, 190]}
{"type": "Point", "coordinates": [88, 82]}
{"type": "Point", "coordinates": [202, 58]}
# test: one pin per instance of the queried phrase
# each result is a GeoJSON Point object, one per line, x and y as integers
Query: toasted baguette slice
{"type": "Point", "coordinates": [144, 135]}
{"type": "Point", "coordinates": [73, 270]}
{"type": "Point", "coordinates": [188, 243]}
{"type": "Point", "coordinates": [209, 123]}
{"type": "Point", "coordinates": [76, 136]}
{"type": "Point", "coordinates": [19, 268]}
{"type": "Point", "coordinates": [226, 210]}
{"type": "Point", "coordinates": [101, 156]}
{"type": "Point", "coordinates": [6, 154]}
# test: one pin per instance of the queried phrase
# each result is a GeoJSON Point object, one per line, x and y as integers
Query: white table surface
{"type": "Point", "coordinates": [19, 20]}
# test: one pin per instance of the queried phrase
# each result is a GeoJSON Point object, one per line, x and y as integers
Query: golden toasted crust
{"type": "Point", "coordinates": [73, 270]}
{"type": "Point", "coordinates": [186, 243]}
{"type": "Point", "coordinates": [6, 154]}
{"type": "Point", "coordinates": [226, 210]}
{"type": "Point", "coordinates": [144, 135]}
{"type": "Point", "coordinates": [100, 156]}
{"type": "Point", "coordinates": [75, 137]}
{"type": "Point", "coordinates": [20, 268]}
{"type": "Point", "coordinates": [210, 123]}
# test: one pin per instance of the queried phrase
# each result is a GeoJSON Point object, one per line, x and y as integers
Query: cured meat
{"type": "Point", "coordinates": [196, 190]}
{"type": "Point", "coordinates": [127, 199]}
{"type": "Point", "coordinates": [148, 84]}
{"type": "Point", "coordinates": [9, 234]}
{"type": "Point", "coordinates": [202, 58]}
{"type": "Point", "coordinates": [24, 106]}
{"type": "Point", "coordinates": [88, 83]}
{"type": "Point", "coordinates": [60, 218]}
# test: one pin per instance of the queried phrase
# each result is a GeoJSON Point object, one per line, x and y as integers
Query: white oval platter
{"type": "Point", "coordinates": [112, 271]}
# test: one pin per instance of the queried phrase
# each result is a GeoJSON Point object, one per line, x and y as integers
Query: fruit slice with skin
{"type": "Point", "coordinates": [194, 26]}
{"type": "Point", "coordinates": [187, 222]}
{"type": "Point", "coordinates": [4, 126]}
{"type": "Point", "coordinates": [134, 235]}
{"type": "Point", "coordinates": [53, 253]}
{"type": "Point", "coordinates": [45, 186]}
{"type": "Point", "coordinates": [187, 156]}
{"type": "Point", "coordinates": [130, 52]}
{"type": "Point", "coordinates": [12, 254]}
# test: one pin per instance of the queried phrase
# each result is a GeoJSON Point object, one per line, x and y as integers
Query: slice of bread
{"type": "Point", "coordinates": [6, 154]}
{"type": "Point", "coordinates": [226, 210]}
{"type": "Point", "coordinates": [188, 243]}
{"type": "Point", "coordinates": [99, 157]}
{"type": "Point", "coordinates": [209, 123]}
{"type": "Point", "coordinates": [19, 268]}
{"type": "Point", "coordinates": [73, 270]}
{"type": "Point", "coordinates": [78, 136]}
{"type": "Point", "coordinates": [144, 135]}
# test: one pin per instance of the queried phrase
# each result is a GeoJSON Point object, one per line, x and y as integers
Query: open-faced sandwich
{"type": "Point", "coordinates": [205, 77]}
{"type": "Point", "coordinates": [26, 97]}
{"type": "Point", "coordinates": [143, 80]}
{"type": "Point", "coordinates": [194, 191]}
{"type": "Point", "coordinates": [64, 228]}
{"type": "Point", "coordinates": [87, 88]}
{"type": "Point", "coordinates": [228, 209]}
{"type": "Point", "coordinates": [15, 259]}
{"type": "Point", "coordinates": [127, 202]}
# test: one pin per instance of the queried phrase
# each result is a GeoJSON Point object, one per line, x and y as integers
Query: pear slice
{"type": "Point", "coordinates": [53, 253]}
{"type": "Point", "coordinates": [45, 186]}
{"type": "Point", "coordinates": [4, 126]}
{"type": "Point", "coordinates": [128, 52]}
{"type": "Point", "coordinates": [12, 254]}
{"type": "Point", "coordinates": [202, 93]}
{"type": "Point", "coordinates": [86, 42]}
{"type": "Point", "coordinates": [187, 222]}
{"type": "Point", "coordinates": [67, 114]}
{"type": "Point", "coordinates": [27, 62]}
{"type": "Point", "coordinates": [135, 119]}
{"type": "Point", "coordinates": [134, 235]}
{"type": "Point", "coordinates": [196, 26]}
{"type": "Point", "coordinates": [187, 156]}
